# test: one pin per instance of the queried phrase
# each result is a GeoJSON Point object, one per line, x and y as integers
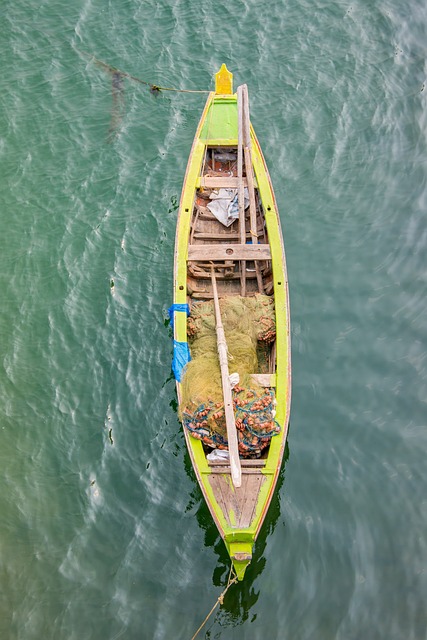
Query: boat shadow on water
{"type": "Point", "coordinates": [241, 597]}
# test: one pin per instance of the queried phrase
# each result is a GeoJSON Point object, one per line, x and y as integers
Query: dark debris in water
{"type": "Point", "coordinates": [174, 204]}
{"type": "Point", "coordinates": [118, 107]}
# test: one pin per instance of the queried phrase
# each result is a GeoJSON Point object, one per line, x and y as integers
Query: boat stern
{"type": "Point", "coordinates": [241, 556]}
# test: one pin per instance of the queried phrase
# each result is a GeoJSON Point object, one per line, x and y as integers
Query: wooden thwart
{"type": "Point", "coordinates": [209, 235]}
{"type": "Point", "coordinates": [246, 462]}
{"type": "Point", "coordinates": [217, 182]}
{"type": "Point", "coordinates": [229, 252]}
{"type": "Point", "coordinates": [245, 470]}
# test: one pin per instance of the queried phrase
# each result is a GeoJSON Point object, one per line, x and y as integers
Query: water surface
{"type": "Point", "coordinates": [104, 533]}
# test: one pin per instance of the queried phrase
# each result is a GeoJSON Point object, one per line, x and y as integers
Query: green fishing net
{"type": "Point", "coordinates": [249, 326]}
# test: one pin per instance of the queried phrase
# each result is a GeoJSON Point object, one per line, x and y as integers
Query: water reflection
{"type": "Point", "coordinates": [241, 597]}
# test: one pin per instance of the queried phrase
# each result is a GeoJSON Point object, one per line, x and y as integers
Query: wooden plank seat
{"type": "Point", "coordinates": [207, 252]}
{"type": "Point", "coordinates": [244, 471]}
{"type": "Point", "coordinates": [219, 182]}
{"type": "Point", "coordinates": [248, 462]}
{"type": "Point", "coordinates": [225, 235]}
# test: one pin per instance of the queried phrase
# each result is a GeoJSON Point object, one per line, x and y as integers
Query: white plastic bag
{"type": "Point", "coordinates": [225, 205]}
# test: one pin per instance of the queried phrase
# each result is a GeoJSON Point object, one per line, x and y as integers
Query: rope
{"type": "Point", "coordinates": [232, 579]}
{"type": "Point", "coordinates": [153, 87]}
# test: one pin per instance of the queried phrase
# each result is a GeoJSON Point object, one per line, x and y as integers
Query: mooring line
{"type": "Point", "coordinates": [154, 88]}
{"type": "Point", "coordinates": [232, 579]}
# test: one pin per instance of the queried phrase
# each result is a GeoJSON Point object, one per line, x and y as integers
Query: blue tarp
{"type": "Point", "coordinates": [181, 357]}
{"type": "Point", "coordinates": [181, 350]}
{"type": "Point", "coordinates": [177, 307]}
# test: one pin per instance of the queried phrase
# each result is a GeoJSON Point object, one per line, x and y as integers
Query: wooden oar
{"type": "Point", "coordinates": [233, 447]}
{"type": "Point", "coordinates": [247, 148]}
{"type": "Point", "coordinates": [241, 190]}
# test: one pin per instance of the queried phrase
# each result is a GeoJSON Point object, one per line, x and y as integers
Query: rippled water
{"type": "Point", "coordinates": [103, 530]}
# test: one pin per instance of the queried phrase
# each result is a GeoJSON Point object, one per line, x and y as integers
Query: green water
{"type": "Point", "coordinates": [103, 531]}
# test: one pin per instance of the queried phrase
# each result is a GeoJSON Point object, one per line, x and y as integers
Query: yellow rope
{"type": "Point", "coordinates": [153, 87]}
{"type": "Point", "coordinates": [232, 579]}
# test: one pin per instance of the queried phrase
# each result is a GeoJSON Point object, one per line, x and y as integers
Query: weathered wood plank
{"type": "Point", "coordinates": [205, 275]}
{"type": "Point", "coordinates": [249, 500]}
{"type": "Point", "coordinates": [250, 178]}
{"type": "Point", "coordinates": [218, 235]}
{"type": "Point", "coordinates": [219, 182]}
{"type": "Point", "coordinates": [226, 390]}
{"type": "Point", "coordinates": [204, 235]}
{"type": "Point", "coordinates": [237, 505]}
{"type": "Point", "coordinates": [229, 252]}
{"type": "Point", "coordinates": [244, 471]}
{"type": "Point", "coordinates": [250, 462]}
{"type": "Point", "coordinates": [241, 196]}
{"type": "Point", "coordinates": [222, 492]}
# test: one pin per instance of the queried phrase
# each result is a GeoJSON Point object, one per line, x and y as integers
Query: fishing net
{"type": "Point", "coordinates": [249, 326]}
{"type": "Point", "coordinates": [253, 316]}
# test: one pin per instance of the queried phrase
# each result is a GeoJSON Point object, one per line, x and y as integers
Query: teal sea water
{"type": "Point", "coordinates": [103, 530]}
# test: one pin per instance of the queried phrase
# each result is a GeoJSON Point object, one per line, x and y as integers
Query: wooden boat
{"type": "Point", "coordinates": [213, 261]}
